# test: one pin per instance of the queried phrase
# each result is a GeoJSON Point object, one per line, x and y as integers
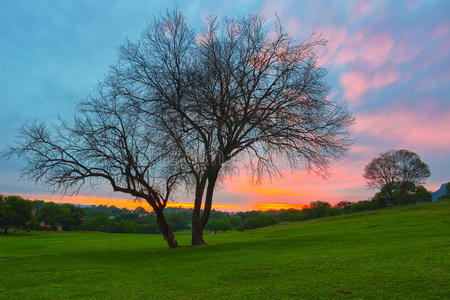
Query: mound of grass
{"type": "Point", "coordinates": [399, 252]}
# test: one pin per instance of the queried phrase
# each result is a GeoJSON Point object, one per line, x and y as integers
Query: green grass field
{"type": "Point", "coordinates": [393, 253]}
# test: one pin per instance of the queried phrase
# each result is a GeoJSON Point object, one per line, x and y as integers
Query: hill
{"type": "Point", "coordinates": [397, 252]}
{"type": "Point", "coordinates": [440, 192]}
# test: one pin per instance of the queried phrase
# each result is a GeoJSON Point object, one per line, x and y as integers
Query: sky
{"type": "Point", "coordinates": [389, 59]}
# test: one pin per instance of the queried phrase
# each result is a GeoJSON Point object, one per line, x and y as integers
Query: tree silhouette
{"type": "Point", "coordinates": [235, 93]}
{"type": "Point", "coordinates": [107, 141]}
{"type": "Point", "coordinates": [186, 107]}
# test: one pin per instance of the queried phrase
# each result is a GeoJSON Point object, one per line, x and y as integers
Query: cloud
{"type": "Point", "coordinates": [301, 187]}
{"type": "Point", "coordinates": [360, 9]}
{"type": "Point", "coordinates": [270, 8]}
{"type": "Point", "coordinates": [422, 128]}
{"type": "Point", "coordinates": [384, 78]}
{"type": "Point", "coordinates": [404, 52]}
{"type": "Point", "coordinates": [377, 49]}
{"type": "Point", "coordinates": [293, 26]}
{"type": "Point", "coordinates": [336, 37]}
{"type": "Point", "coordinates": [362, 6]}
{"type": "Point", "coordinates": [355, 84]}
{"type": "Point", "coordinates": [441, 30]}
{"type": "Point", "coordinates": [349, 48]}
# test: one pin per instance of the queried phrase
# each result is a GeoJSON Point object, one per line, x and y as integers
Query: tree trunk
{"type": "Point", "coordinates": [209, 197]}
{"type": "Point", "coordinates": [389, 191]}
{"type": "Point", "coordinates": [197, 236]}
{"type": "Point", "coordinates": [200, 222]}
{"type": "Point", "coordinates": [165, 230]}
{"type": "Point", "coordinates": [6, 230]}
{"type": "Point", "coordinates": [197, 231]}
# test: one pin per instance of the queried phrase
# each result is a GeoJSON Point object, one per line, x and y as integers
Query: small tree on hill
{"type": "Point", "coordinates": [396, 170]}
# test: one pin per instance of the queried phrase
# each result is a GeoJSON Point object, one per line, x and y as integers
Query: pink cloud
{"type": "Point", "coordinates": [419, 128]}
{"type": "Point", "coordinates": [293, 26]}
{"type": "Point", "coordinates": [336, 37]}
{"type": "Point", "coordinates": [355, 84]}
{"type": "Point", "coordinates": [441, 30]}
{"type": "Point", "coordinates": [360, 9]}
{"type": "Point", "coordinates": [362, 6]}
{"type": "Point", "coordinates": [347, 54]}
{"type": "Point", "coordinates": [403, 52]}
{"type": "Point", "coordinates": [384, 78]}
{"type": "Point", "coordinates": [376, 50]}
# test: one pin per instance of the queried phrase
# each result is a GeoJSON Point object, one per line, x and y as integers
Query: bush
{"type": "Point", "coordinates": [362, 206]}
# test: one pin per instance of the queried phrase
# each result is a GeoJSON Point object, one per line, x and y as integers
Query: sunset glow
{"type": "Point", "coordinates": [277, 206]}
{"type": "Point", "coordinates": [118, 202]}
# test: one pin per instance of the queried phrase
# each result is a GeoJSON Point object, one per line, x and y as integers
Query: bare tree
{"type": "Point", "coordinates": [105, 142]}
{"type": "Point", "coordinates": [239, 92]}
{"type": "Point", "coordinates": [395, 168]}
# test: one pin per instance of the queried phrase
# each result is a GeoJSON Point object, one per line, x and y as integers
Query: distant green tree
{"type": "Point", "coordinates": [178, 220]}
{"type": "Point", "coordinates": [260, 220]}
{"type": "Point", "coordinates": [54, 215]}
{"type": "Point", "coordinates": [15, 212]}
{"type": "Point", "coordinates": [215, 225]}
{"type": "Point", "coordinates": [344, 205]}
{"type": "Point", "coordinates": [72, 216]}
{"type": "Point", "coordinates": [6, 213]}
{"type": "Point", "coordinates": [362, 206]}
{"type": "Point", "coordinates": [317, 209]}
{"type": "Point", "coordinates": [235, 221]}
{"type": "Point", "coordinates": [403, 193]}
{"type": "Point", "coordinates": [288, 215]}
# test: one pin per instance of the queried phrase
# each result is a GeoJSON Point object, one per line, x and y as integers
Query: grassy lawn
{"type": "Point", "coordinates": [393, 253]}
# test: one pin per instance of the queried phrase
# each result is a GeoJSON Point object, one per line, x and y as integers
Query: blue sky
{"type": "Point", "coordinates": [389, 59]}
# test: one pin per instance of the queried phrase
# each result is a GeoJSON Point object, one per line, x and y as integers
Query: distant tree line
{"type": "Point", "coordinates": [16, 212]}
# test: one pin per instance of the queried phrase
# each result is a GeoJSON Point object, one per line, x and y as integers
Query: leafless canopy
{"type": "Point", "coordinates": [239, 89]}
{"type": "Point", "coordinates": [106, 141]}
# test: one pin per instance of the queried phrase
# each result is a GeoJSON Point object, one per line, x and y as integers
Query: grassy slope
{"type": "Point", "coordinates": [393, 253]}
